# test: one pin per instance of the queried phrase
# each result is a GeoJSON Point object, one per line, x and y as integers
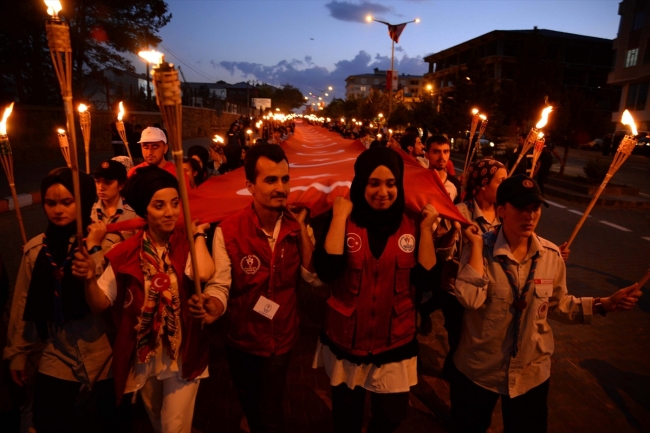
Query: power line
{"type": "Point", "coordinates": [203, 74]}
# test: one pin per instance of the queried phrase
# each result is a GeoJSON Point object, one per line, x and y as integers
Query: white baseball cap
{"type": "Point", "coordinates": [151, 134]}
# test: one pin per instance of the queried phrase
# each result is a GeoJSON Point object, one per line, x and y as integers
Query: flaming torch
{"type": "Point", "coordinates": [119, 125]}
{"type": "Point", "coordinates": [64, 145]}
{"type": "Point", "coordinates": [472, 130]}
{"type": "Point", "coordinates": [624, 150]}
{"type": "Point", "coordinates": [537, 151]}
{"type": "Point", "coordinates": [532, 137]}
{"type": "Point", "coordinates": [478, 139]}
{"type": "Point", "coordinates": [7, 160]}
{"type": "Point", "coordinates": [84, 121]}
{"type": "Point", "coordinates": [58, 40]}
{"type": "Point", "coordinates": [168, 97]}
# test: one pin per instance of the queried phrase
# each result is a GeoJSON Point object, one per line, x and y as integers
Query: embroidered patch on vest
{"type": "Point", "coordinates": [353, 242]}
{"type": "Point", "coordinates": [527, 183]}
{"type": "Point", "coordinates": [407, 243]}
{"type": "Point", "coordinates": [250, 264]}
{"type": "Point", "coordinates": [128, 298]}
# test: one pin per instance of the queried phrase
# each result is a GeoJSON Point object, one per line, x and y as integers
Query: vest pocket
{"type": "Point", "coordinates": [340, 322]}
{"type": "Point", "coordinates": [353, 276]}
{"type": "Point", "coordinates": [403, 267]}
{"type": "Point", "coordinates": [402, 320]}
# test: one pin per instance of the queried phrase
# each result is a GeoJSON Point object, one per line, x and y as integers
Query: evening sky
{"type": "Point", "coordinates": [313, 44]}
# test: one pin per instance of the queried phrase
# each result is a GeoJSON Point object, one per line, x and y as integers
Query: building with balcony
{"type": "Point", "coordinates": [582, 61]}
{"type": "Point", "coordinates": [632, 61]}
{"type": "Point", "coordinates": [410, 87]}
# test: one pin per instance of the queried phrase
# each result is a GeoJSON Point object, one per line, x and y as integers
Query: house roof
{"type": "Point", "coordinates": [494, 34]}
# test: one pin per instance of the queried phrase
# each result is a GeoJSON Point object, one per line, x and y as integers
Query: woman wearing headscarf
{"type": "Point", "coordinates": [479, 207]}
{"type": "Point", "coordinates": [49, 313]}
{"type": "Point", "coordinates": [371, 259]}
{"type": "Point", "coordinates": [159, 348]}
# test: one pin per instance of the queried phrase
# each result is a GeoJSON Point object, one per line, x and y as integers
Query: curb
{"type": "Point", "coordinates": [24, 200]}
{"type": "Point", "coordinates": [603, 200]}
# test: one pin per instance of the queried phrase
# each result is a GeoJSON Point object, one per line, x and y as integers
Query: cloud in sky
{"type": "Point", "coordinates": [308, 76]}
{"type": "Point", "coordinates": [354, 12]}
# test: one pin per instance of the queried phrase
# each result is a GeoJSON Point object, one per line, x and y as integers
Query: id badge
{"type": "Point", "coordinates": [544, 287]}
{"type": "Point", "coordinates": [266, 307]}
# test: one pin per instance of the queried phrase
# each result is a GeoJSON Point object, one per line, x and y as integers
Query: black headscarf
{"type": "Point", "coordinates": [382, 223]}
{"type": "Point", "coordinates": [42, 305]}
{"type": "Point", "coordinates": [143, 184]}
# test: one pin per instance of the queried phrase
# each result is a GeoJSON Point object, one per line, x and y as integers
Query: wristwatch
{"type": "Point", "coordinates": [598, 306]}
{"type": "Point", "coordinates": [196, 235]}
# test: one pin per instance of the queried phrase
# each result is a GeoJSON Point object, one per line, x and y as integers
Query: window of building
{"type": "Point", "coordinates": [631, 57]}
{"type": "Point", "coordinates": [362, 81]}
{"type": "Point", "coordinates": [646, 56]}
{"type": "Point", "coordinates": [362, 88]}
{"type": "Point", "coordinates": [414, 82]}
{"type": "Point", "coordinates": [637, 96]}
{"type": "Point", "coordinates": [638, 20]}
{"type": "Point", "coordinates": [376, 81]}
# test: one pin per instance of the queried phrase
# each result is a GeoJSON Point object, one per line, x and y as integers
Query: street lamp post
{"type": "Point", "coordinates": [394, 31]}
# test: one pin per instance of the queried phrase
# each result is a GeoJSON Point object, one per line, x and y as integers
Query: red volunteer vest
{"type": "Point", "coordinates": [372, 306]}
{"type": "Point", "coordinates": [125, 261]}
{"type": "Point", "coordinates": [256, 271]}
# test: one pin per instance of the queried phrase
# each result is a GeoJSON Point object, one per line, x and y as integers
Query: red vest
{"type": "Point", "coordinates": [125, 261]}
{"type": "Point", "coordinates": [256, 271]}
{"type": "Point", "coordinates": [372, 306]}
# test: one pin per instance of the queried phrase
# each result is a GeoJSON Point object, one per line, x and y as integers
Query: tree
{"type": "Point", "coordinates": [287, 98]}
{"type": "Point", "coordinates": [101, 32]}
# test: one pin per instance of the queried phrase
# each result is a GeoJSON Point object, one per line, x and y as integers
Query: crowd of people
{"type": "Point", "coordinates": [120, 318]}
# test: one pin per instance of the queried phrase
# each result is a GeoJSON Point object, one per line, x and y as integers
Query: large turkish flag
{"type": "Point", "coordinates": [321, 168]}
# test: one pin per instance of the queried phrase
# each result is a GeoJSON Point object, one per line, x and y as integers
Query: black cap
{"type": "Point", "coordinates": [111, 170]}
{"type": "Point", "coordinates": [520, 191]}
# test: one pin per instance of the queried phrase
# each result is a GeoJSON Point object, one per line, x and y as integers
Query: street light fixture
{"type": "Point", "coordinates": [394, 31]}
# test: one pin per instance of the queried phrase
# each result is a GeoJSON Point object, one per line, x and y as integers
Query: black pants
{"type": "Point", "coordinates": [472, 407]}
{"type": "Point", "coordinates": [260, 383]}
{"type": "Point", "coordinates": [59, 407]}
{"type": "Point", "coordinates": [387, 410]}
{"type": "Point", "coordinates": [452, 311]}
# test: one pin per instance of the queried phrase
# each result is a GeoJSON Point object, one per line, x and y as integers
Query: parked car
{"type": "Point", "coordinates": [595, 144]}
{"type": "Point", "coordinates": [642, 144]}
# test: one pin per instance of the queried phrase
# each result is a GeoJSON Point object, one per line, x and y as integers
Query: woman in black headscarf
{"type": "Point", "coordinates": [160, 349]}
{"type": "Point", "coordinates": [371, 258]}
{"type": "Point", "coordinates": [49, 309]}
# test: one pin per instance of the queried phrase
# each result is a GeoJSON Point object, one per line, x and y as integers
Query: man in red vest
{"type": "Point", "coordinates": [260, 253]}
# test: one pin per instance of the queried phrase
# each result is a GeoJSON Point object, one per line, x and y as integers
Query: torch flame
{"type": "Point", "coordinates": [542, 122]}
{"type": "Point", "coordinates": [3, 123]}
{"type": "Point", "coordinates": [153, 57]}
{"type": "Point", "coordinates": [217, 139]}
{"type": "Point", "coordinates": [53, 7]}
{"type": "Point", "coordinates": [120, 115]}
{"type": "Point", "coordinates": [540, 135]}
{"type": "Point", "coordinates": [82, 108]}
{"type": "Point", "coordinates": [60, 131]}
{"type": "Point", "coordinates": [475, 111]}
{"type": "Point", "coordinates": [482, 116]}
{"type": "Point", "coordinates": [627, 119]}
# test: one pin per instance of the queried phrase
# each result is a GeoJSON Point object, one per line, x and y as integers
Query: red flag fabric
{"type": "Point", "coordinates": [394, 31]}
{"type": "Point", "coordinates": [321, 167]}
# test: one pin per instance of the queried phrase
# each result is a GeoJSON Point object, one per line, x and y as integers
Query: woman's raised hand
{"type": "Point", "coordinates": [342, 207]}
{"type": "Point", "coordinates": [429, 216]}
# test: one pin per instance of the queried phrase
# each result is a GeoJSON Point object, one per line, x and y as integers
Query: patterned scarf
{"type": "Point", "coordinates": [161, 311]}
